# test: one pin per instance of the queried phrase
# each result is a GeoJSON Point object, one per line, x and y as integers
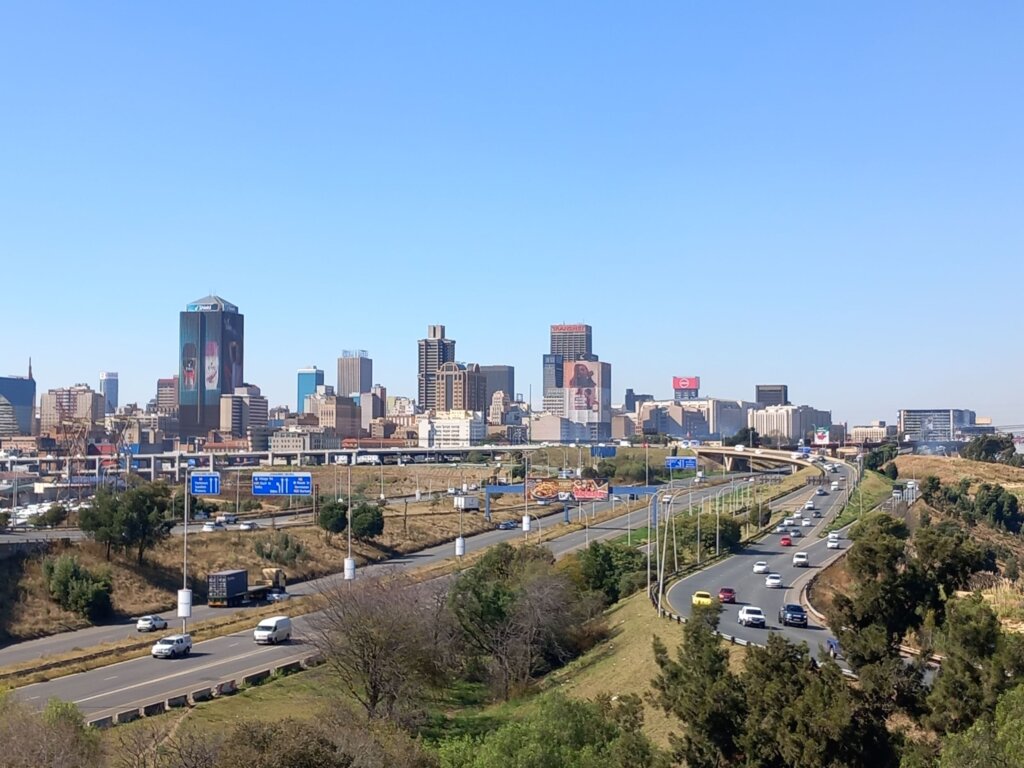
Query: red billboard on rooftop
{"type": "Point", "coordinates": [686, 382]}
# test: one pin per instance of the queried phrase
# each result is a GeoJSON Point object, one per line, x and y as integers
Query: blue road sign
{"type": "Point", "coordinates": [602, 451]}
{"type": "Point", "coordinates": [204, 483]}
{"type": "Point", "coordinates": [282, 484]}
{"type": "Point", "coordinates": [681, 462]}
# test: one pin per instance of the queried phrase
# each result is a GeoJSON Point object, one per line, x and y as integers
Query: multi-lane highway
{"type": "Point", "coordinates": [737, 572]}
{"type": "Point", "coordinates": [105, 691]}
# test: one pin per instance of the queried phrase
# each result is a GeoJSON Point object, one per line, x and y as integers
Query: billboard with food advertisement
{"type": "Point", "coordinates": [577, 489]}
{"type": "Point", "coordinates": [588, 394]}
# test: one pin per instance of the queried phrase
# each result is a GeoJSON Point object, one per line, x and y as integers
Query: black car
{"type": "Point", "coordinates": [792, 614]}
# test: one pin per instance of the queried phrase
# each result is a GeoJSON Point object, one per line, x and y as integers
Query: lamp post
{"type": "Point", "coordinates": [185, 610]}
{"type": "Point", "coordinates": [350, 563]}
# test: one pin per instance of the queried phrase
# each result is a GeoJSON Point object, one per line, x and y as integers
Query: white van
{"type": "Point", "coordinates": [273, 630]}
{"type": "Point", "coordinates": [835, 485]}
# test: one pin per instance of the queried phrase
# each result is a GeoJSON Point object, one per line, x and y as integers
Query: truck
{"type": "Point", "coordinates": [467, 503]}
{"type": "Point", "coordinates": [228, 589]}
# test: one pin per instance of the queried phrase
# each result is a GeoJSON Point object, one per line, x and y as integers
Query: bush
{"type": "Point", "coordinates": [77, 589]}
{"type": "Point", "coordinates": [280, 548]}
{"type": "Point", "coordinates": [367, 522]}
{"type": "Point", "coordinates": [333, 516]}
{"type": "Point", "coordinates": [5, 520]}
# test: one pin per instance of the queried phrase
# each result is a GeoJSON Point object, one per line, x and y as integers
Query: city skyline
{"type": "Point", "coordinates": [825, 197]}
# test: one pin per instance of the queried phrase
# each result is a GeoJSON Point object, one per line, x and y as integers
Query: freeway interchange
{"type": "Point", "coordinates": [107, 690]}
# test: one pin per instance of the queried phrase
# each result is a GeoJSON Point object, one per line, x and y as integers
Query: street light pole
{"type": "Point", "coordinates": [184, 554]}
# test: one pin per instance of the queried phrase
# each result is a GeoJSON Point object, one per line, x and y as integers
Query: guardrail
{"type": "Point", "coordinates": [222, 688]}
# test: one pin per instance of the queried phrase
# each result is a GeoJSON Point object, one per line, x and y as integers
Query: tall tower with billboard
{"type": "Point", "coordinates": [211, 356]}
{"type": "Point", "coordinates": [572, 342]}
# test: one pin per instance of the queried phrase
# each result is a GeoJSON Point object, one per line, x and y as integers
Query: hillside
{"type": "Point", "coordinates": [950, 470]}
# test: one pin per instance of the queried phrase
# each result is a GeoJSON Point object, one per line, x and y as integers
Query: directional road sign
{"type": "Point", "coordinates": [681, 462]}
{"type": "Point", "coordinates": [282, 484]}
{"type": "Point", "coordinates": [204, 483]}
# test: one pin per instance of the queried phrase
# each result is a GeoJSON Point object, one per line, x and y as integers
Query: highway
{"type": "Point", "coordinates": [737, 572]}
{"type": "Point", "coordinates": [114, 688]}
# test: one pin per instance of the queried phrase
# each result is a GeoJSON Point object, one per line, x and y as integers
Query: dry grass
{"type": "Point", "coordinates": [1007, 600]}
{"type": "Point", "coordinates": [834, 580]}
{"type": "Point", "coordinates": [951, 470]}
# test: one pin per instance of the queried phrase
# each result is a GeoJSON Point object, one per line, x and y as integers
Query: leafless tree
{"type": "Point", "coordinates": [54, 738]}
{"type": "Point", "coordinates": [378, 638]}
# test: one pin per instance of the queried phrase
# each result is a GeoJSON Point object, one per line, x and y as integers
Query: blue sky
{"type": "Point", "coordinates": [828, 197]}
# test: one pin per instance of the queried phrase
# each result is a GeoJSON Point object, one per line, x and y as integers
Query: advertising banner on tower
{"type": "Point", "coordinates": [821, 436]}
{"type": "Point", "coordinates": [587, 391]}
{"type": "Point", "coordinates": [686, 382]}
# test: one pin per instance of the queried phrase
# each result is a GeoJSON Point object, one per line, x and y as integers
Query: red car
{"type": "Point", "coordinates": [785, 541]}
{"type": "Point", "coordinates": [727, 595]}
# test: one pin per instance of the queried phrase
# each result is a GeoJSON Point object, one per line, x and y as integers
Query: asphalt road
{"type": "Point", "coordinates": [737, 572]}
{"type": "Point", "coordinates": [118, 687]}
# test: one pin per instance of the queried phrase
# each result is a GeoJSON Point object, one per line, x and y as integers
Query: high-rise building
{"type": "Point", "coordinates": [211, 352]}
{"type": "Point", "coordinates": [787, 424]}
{"type": "Point", "coordinates": [355, 372]}
{"type": "Point", "coordinates": [552, 372]}
{"type": "Point", "coordinates": [572, 342]}
{"type": "Point", "coordinates": [108, 388]}
{"type": "Point", "coordinates": [434, 351]}
{"type": "Point", "coordinates": [460, 388]}
{"type": "Point", "coordinates": [500, 378]}
{"type": "Point", "coordinates": [78, 404]}
{"type": "Point", "coordinates": [308, 380]}
{"type": "Point", "coordinates": [932, 424]}
{"type": "Point", "coordinates": [167, 396]}
{"type": "Point", "coordinates": [771, 394]}
{"type": "Point", "coordinates": [17, 404]}
{"type": "Point", "coordinates": [244, 409]}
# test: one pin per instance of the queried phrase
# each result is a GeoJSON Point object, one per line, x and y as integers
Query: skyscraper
{"type": "Point", "coordinates": [167, 396]}
{"type": "Point", "coordinates": [434, 351]}
{"type": "Point", "coordinates": [355, 372]}
{"type": "Point", "coordinates": [212, 343]}
{"type": "Point", "coordinates": [108, 388]}
{"type": "Point", "coordinates": [17, 404]}
{"type": "Point", "coordinates": [461, 388]}
{"type": "Point", "coordinates": [572, 342]}
{"type": "Point", "coordinates": [771, 394]}
{"type": "Point", "coordinates": [500, 378]}
{"type": "Point", "coordinates": [308, 380]}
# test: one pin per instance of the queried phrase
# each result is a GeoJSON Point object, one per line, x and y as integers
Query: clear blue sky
{"type": "Point", "coordinates": [829, 197]}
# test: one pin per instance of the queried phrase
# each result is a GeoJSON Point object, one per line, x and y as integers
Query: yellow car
{"type": "Point", "coordinates": [701, 598]}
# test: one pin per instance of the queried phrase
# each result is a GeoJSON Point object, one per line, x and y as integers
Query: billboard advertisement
{"type": "Point", "coordinates": [568, 489]}
{"type": "Point", "coordinates": [232, 350]}
{"type": "Point", "coordinates": [588, 396]}
{"type": "Point", "coordinates": [574, 328]}
{"type": "Point", "coordinates": [188, 376]}
{"type": "Point", "coordinates": [686, 382]}
{"type": "Point", "coordinates": [821, 436]}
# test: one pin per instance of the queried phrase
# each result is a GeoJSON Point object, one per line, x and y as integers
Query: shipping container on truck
{"type": "Point", "coordinates": [226, 589]}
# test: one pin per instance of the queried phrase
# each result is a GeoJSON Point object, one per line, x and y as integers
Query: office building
{"type": "Point", "coordinates": [108, 388]}
{"type": "Point", "coordinates": [786, 425]}
{"type": "Point", "coordinates": [79, 404]}
{"type": "Point", "coordinates": [355, 372]}
{"type": "Point", "coordinates": [587, 396]}
{"type": "Point", "coordinates": [211, 354]}
{"type": "Point", "coordinates": [935, 424]}
{"type": "Point", "coordinates": [771, 394]}
{"type": "Point", "coordinates": [434, 351]}
{"type": "Point", "coordinates": [499, 378]}
{"type": "Point", "coordinates": [341, 416]}
{"type": "Point", "coordinates": [460, 388]}
{"type": "Point", "coordinates": [308, 380]}
{"type": "Point", "coordinates": [243, 410]}
{"type": "Point", "coordinates": [18, 404]}
{"type": "Point", "coordinates": [876, 432]}
{"type": "Point", "coordinates": [167, 396]}
{"type": "Point", "coordinates": [572, 342]}
{"type": "Point", "coordinates": [632, 400]}
{"type": "Point", "coordinates": [452, 429]}
{"type": "Point", "coordinates": [672, 419]}
{"type": "Point", "coordinates": [552, 372]}
{"type": "Point", "coordinates": [372, 405]}
{"type": "Point", "coordinates": [498, 408]}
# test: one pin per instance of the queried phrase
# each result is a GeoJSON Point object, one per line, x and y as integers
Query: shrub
{"type": "Point", "coordinates": [77, 589]}
{"type": "Point", "coordinates": [280, 548]}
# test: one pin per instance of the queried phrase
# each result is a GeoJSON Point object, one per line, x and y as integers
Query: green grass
{"type": "Point", "coordinates": [873, 489]}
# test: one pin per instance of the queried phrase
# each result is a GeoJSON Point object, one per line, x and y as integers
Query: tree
{"type": "Point", "coordinates": [54, 738]}
{"type": "Point", "coordinates": [51, 518]}
{"type": "Point", "coordinates": [333, 516]}
{"type": "Point", "coordinates": [990, 743]}
{"type": "Point", "coordinates": [891, 471]}
{"type": "Point", "coordinates": [991, 448]}
{"type": "Point", "coordinates": [367, 521]}
{"type": "Point", "coordinates": [589, 473]}
{"type": "Point", "coordinates": [380, 641]}
{"type": "Point", "coordinates": [698, 689]}
{"type": "Point", "coordinates": [602, 567]}
{"type": "Point", "coordinates": [746, 436]}
{"type": "Point", "coordinates": [144, 518]}
{"type": "Point", "coordinates": [5, 519]}
{"type": "Point", "coordinates": [102, 520]}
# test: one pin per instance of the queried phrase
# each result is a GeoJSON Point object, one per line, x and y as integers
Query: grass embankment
{"type": "Point", "coordinates": [951, 470]}
{"type": "Point", "coordinates": [872, 490]}
{"type": "Point", "coordinates": [622, 664]}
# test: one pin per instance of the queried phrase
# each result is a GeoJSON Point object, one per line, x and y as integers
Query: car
{"type": "Point", "coordinates": [761, 566]}
{"type": "Point", "coordinates": [801, 560]}
{"type": "Point", "coordinates": [794, 533]}
{"type": "Point", "coordinates": [807, 522]}
{"type": "Point", "coordinates": [542, 502]}
{"type": "Point", "coordinates": [821, 492]}
{"type": "Point", "coordinates": [835, 536]}
{"type": "Point", "coordinates": [727, 595]}
{"type": "Point", "coordinates": [227, 519]}
{"type": "Point", "coordinates": [249, 525]}
{"type": "Point", "coordinates": [278, 596]}
{"type": "Point", "coordinates": [172, 646]}
{"type": "Point", "coordinates": [816, 513]}
{"type": "Point", "coordinates": [809, 504]}
{"type": "Point", "coordinates": [832, 544]}
{"type": "Point", "coordinates": [507, 525]}
{"type": "Point", "coordinates": [751, 616]}
{"type": "Point", "coordinates": [787, 522]}
{"type": "Point", "coordinates": [781, 528]}
{"type": "Point", "coordinates": [150, 623]}
{"type": "Point", "coordinates": [786, 541]}
{"type": "Point", "coordinates": [798, 515]}
{"type": "Point", "coordinates": [701, 598]}
{"type": "Point", "coordinates": [773, 581]}
{"type": "Point", "coordinates": [792, 614]}
{"type": "Point", "coordinates": [273, 630]}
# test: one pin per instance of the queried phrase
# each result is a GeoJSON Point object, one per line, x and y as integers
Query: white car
{"type": "Point", "coordinates": [172, 646]}
{"type": "Point", "coordinates": [210, 527]}
{"type": "Point", "coordinates": [809, 504]}
{"type": "Point", "coordinates": [751, 616]}
{"type": "Point", "coordinates": [227, 519]}
{"type": "Point", "coordinates": [773, 581]}
{"type": "Point", "coordinates": [832, 544]}
{"type": "Point", "coordinates": [249, 525]}
{"type": "Point", "coordinates": [150, 623]}
{"type": "Point", "coordinates": [807, 522]}
{"type": "Point", "coordinates": [787, 521]}
{"type": "Point", "coordinates": [800, 559]}
{"type": "Point", "coordinates": [761, 566]}
{"type": "Point", "coordinates": [278, 597]}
